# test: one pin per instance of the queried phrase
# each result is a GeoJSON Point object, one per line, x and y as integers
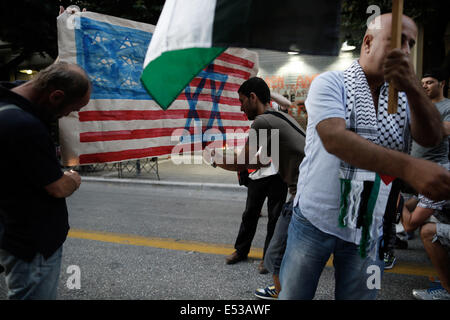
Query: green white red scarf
{"type": "Point", "coordinates": [365, 194]}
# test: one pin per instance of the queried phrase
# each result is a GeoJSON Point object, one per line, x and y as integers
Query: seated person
{"type": "Point", "coordinates": [434, 219]}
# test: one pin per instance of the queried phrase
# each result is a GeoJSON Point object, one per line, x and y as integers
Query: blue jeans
{"type": "Point", "coordinates": [307, 252]}
{"type": "Point", "coordinates": [35, 280]}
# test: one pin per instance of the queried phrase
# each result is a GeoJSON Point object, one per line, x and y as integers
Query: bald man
{"type": "Point", "coordinates": [33, 188]}
{"type": "Point", "coordinates": [354, 148]}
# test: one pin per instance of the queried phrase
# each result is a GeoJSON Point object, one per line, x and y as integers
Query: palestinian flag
{"type": "Point", "coordinates": [368, 206]}
{"type": "Point", "coordinates": [190, 34]}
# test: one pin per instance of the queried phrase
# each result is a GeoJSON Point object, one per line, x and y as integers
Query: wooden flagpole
{"type": "Point", "coordinates": [396, 42]}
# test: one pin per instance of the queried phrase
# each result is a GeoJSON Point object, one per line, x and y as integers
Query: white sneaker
{"type": "Point", "coordinates": [436, 293]}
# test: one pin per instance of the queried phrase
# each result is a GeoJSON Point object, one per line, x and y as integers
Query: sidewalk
{"type": "Point", "coordinates": [172, 172]}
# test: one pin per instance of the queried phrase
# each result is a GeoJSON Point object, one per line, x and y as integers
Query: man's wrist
{"type": "Point", "coordinates": [415, 90]}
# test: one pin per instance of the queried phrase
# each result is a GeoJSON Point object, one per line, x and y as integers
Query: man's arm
{"type": "Point", "coordinates": [240, 162]}
{"type": "Point", "coordinates": [426, 124]}
{"type": "Point", "coordinates": [412, 220]}
{"type": "Point", "coordinates": [446, 128]}
{"type": "Point", "coordinates": [251, 155]}
{"type": "Point", "coordinates": [65, 186]}
{"type": "Point", "coordinates": [426, 177]}
{"type": "Point", "coordinates": [281, 100]}
{"type": "Point", "coordinates": [411, 203]}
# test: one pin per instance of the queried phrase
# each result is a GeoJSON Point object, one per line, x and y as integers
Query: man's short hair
{"type": "Point", "coordinates": [69, 78]}
{"type": "Point", "coordinates": [436, 73]}
{"type": "Point", "coordinates": [258, 86]}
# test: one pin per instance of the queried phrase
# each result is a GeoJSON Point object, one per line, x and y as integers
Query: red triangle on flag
{"type": "Point", "coordinates": [387, 179]}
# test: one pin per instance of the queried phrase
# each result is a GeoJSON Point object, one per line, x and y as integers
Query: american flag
{"type": "Point", "coordinates": [122, 122]}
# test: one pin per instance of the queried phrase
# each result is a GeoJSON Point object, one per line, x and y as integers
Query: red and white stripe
{"type": "Point", "coordinates": [117, 130]}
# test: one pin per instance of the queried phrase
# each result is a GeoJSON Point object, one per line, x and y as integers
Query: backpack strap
{"type": "Point", "coordinates": [281, 116]}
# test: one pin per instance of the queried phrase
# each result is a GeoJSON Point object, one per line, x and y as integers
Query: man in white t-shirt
{"type": "Point", "coordinates": [352, 147]}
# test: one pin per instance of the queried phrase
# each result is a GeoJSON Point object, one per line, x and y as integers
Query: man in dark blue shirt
{"type": "Point", "coordinates": [33, 188]}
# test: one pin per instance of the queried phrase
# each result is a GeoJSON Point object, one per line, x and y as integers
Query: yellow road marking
{"type": "Point", "coordinates": [163, 243]}
{"type": "Point", "coordinates": [413, 269]}
{"type": "Point", "coordinates": [219, 249]}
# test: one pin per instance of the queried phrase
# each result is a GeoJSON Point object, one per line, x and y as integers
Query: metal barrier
{"type": "Point", "coordinates": [125, 169]}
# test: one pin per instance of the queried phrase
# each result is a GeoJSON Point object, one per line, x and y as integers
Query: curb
{"type": "Point", "coordinates": [191, 185]}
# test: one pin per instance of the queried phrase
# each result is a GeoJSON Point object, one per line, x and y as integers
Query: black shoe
{"type": "Point", "coordinates": [235, 257]}
{"type": "Point", "coordinates": [2, 269]}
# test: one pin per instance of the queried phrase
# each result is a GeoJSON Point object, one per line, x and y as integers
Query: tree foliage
{"type": "Point", "coordinates": [432, 15]}
{"type": "Point", "coordinates": [355, 15]}
{"type": "Point", "coordinates": [146, 11]}
{"type": "Point", "coordinates": [30, 25]}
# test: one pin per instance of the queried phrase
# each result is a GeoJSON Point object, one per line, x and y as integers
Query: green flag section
{"type": "Point", "coordinates": [179, 68]}
{"type": "Point", "coordinates": [191, 34]}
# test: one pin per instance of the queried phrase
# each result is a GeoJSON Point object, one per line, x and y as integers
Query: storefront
{"type": "Point", "coordinates": [291, 74]}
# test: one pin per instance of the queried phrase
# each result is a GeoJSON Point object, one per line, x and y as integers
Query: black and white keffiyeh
{"type": "Point", "coordinates": [378, 126]}
{"type": "Point", "coordinates": [364, 194]}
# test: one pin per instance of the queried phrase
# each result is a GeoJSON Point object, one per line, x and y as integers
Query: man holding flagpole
{"type": "Point", "coordinates": [353, 146]}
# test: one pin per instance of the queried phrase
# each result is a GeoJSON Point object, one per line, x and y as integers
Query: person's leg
{"type": "Point", "coordinates": [276, 282]}
{"type": "Point", "coordinates": [48, 277]}
{"type": "Point", "coordinates": [35, 280]}
{"type": "Point", "coordinates": [276, 198]}
{"type": "Point", "coordinates": [277, 245]}
{"type": "Point", "coordinates": [308, 250]}
{"type": "Point", "coordinates": [356, 278]}
{"type": "Point", "coordinates": [390, 233]}
{"type": "Point", "coordinates": [437, 253]}
{"type": "Point", "coordinates": [256, 195]}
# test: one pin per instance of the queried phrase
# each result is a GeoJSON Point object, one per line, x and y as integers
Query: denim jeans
{"type": "Point", "coordinates": [307, 252]}
{"type": "Point", "coordinates": [35, 280]}
{"type": "Point", "coordinates": [277, 246]}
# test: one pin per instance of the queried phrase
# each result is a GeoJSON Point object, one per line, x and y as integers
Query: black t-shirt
{"type": "Point", "coordinates": [33, 220]}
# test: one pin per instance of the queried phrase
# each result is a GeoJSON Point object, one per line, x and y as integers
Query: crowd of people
{"type": "Point", "coordinates": [355, 165]}
{"type": "Point", "coordinates": [334, 189]}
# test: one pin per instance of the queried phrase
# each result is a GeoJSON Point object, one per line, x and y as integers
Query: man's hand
{"type": "Point", "coordinates": [209, 156]}
{"type": "Point", "coordinates": [71, 9]}
{"type": "Point", "coordinates": [429, 179]}
{"type": "Point", "coordinates": [65, 186]}
{"type": "Point", "coordinates": [281, 100]}
{"type": "Point", "coordinates": [425, 177]}
{"type": "Point", "coordinates": [74, 176]}
{"type": "Point", "coordinates": [426, 124]}
{"type": "Point", "coordinates": [399, 70]}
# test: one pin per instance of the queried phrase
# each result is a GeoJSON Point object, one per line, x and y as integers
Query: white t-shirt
{"type": "Point", "coordinates": [318, 188]}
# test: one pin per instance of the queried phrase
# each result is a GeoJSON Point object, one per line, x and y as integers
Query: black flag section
{"type": "Point", "coordinates": [307, 27]}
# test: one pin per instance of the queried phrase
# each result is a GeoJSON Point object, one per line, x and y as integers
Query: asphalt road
{"type": "Point", "coordinates": [146, 242]}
